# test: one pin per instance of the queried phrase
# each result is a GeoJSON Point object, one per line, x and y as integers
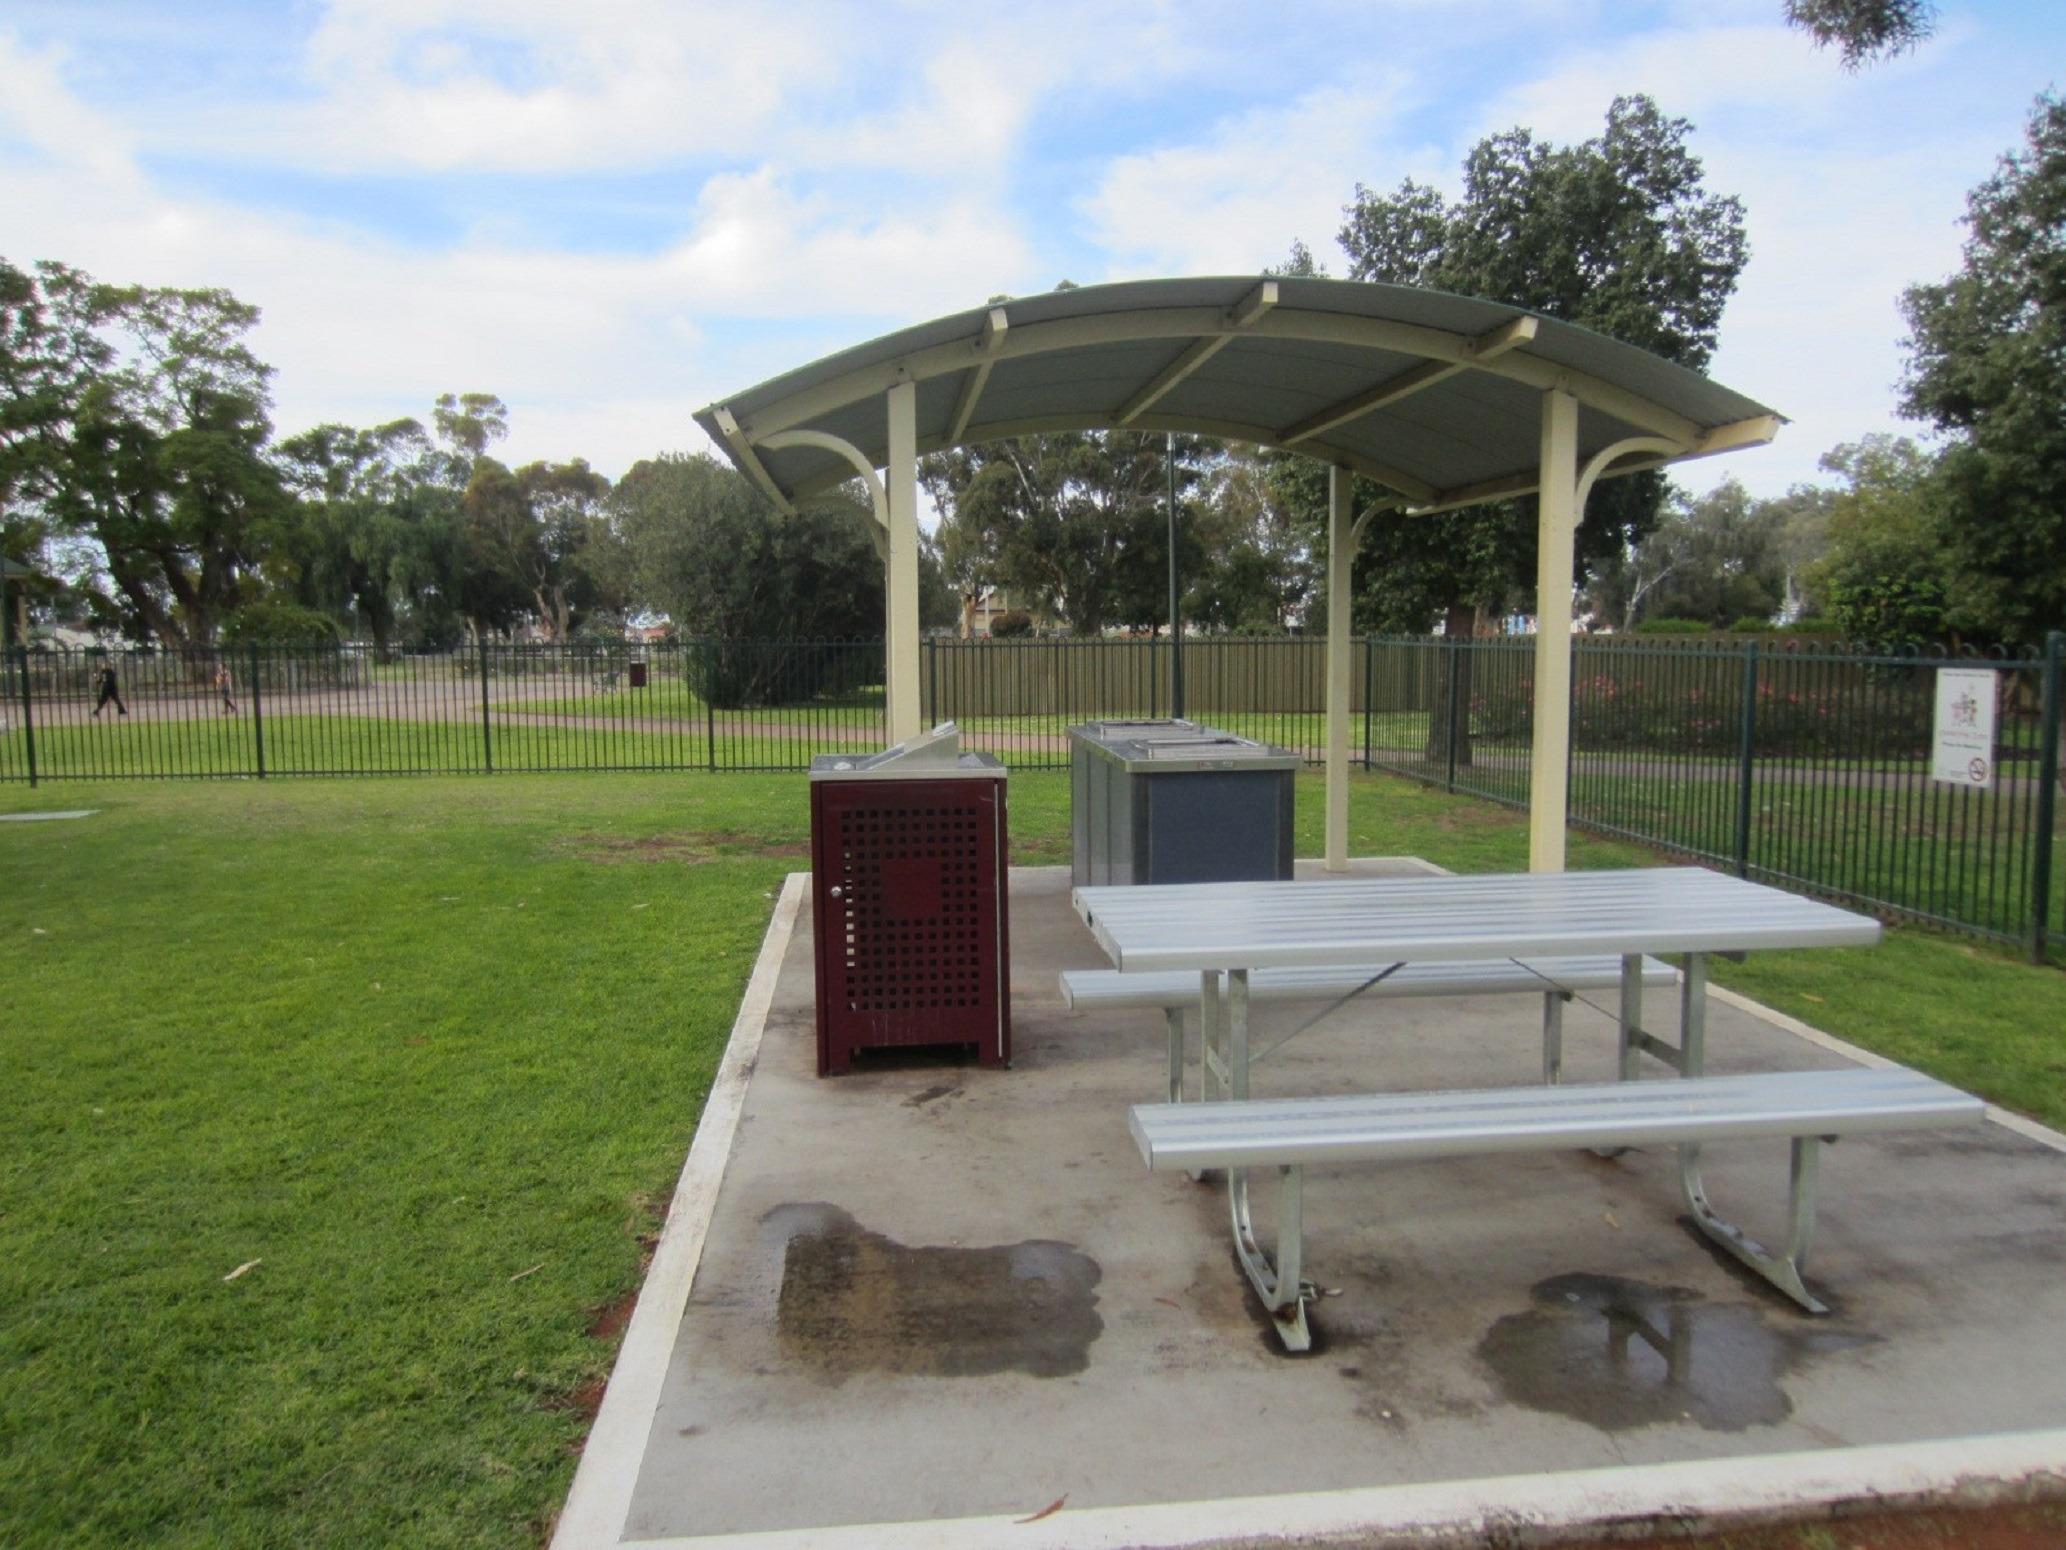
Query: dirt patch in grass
{"type": "Point", "coordinates": [608, 1321]}
{"type": "Point", "coordinates": [688, 847]}
{"type": "Point", "coordinates": [585, 1399]}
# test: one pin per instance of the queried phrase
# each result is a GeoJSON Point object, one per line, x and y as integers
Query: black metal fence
{"type": "Point", "coordinates": [1806, 767]}
{"type": "Point", "coordinates": [1797, 765]}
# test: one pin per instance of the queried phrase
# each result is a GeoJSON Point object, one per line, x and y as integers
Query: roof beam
{"type": "Point", "coordinates": [746, 457]}
{"type": "Point", "coordinates": [987, 344]}
{"type": "Point", "coordinates": [1239, 316]}
{"type": "Point", "coordinates": [1486, 346]}
{"type": "Point", "coordinates": [1412, 489]}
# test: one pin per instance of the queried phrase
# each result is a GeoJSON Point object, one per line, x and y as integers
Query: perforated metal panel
{"type": "Point", "coordinates": [912, 942]}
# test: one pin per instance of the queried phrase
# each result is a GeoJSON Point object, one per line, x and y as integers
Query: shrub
{"type": "Point", "coordinates": [275, 623]}
{"type": "Point", "coordinates": [1751, 624]}
{"type": "Point", "coordinates": [1674, 627]}
{"type": "Point", "coordinates": [1011, 624]}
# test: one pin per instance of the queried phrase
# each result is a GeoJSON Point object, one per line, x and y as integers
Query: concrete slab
{"type": "Point", "coordinates": [928, 1293]}
{"type": "Point", "coordinates": [49, 817]}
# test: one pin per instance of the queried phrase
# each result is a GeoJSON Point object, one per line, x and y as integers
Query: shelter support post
{"type": "Point", "coordinates": [900, 648]}
{"type": "Point", "coordinates": [1341, 554]}
{"type": "Point", "coordinates": [1556, 543]}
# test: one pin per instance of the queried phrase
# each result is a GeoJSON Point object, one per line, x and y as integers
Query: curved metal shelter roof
{"type": "Point", "coordinates": [1436, 396]}
{"type": "Point", "coordinates": [1446, 400]}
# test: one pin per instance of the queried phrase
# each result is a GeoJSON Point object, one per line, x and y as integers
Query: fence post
{"type": "Point", "coordinates": [1369, 692]}
{"type": "Point", "coordinates": [1746, 750]}
{"type": "Point", "coordinates": [1451, 645]}
{"type": "Point", "coordinates": [932, 682]}
{"type": "Point", "coordinates": [709, 705]}
{"type": "Point", "coordinates": [2047, 798]}
{"type": "Point", "coordinates": [28, 714]}
{"type": "Point", "coordinates": [257, 713]}
{"type": "Point", "coordinates": [487, 726]}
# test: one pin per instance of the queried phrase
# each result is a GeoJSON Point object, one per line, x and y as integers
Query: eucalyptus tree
{"type": "Point", "coordinates": [135, 425]}
{"type": "Point", "coordinates": [1987, 365]}
{"type": "Point", "coordinates": [1618, 233]}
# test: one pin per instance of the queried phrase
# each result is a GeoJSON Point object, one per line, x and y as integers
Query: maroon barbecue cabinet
{"type": "Point", "coordinates": [909, 902]}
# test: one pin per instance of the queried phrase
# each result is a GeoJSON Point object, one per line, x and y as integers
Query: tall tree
{"type": "Point", "coordinates": [529, 527]}
{"type": "Point", "coordinates": [1719, 559]}
{"type": "Point", "coordinates": [149, 444]}
{"type": "Point", "coordinates": [41, 379]}
{"type": "Point", "coordinates": [1987, 363]}
{"type": "Point", "coordinates": [1863, 31]}
{"type": "Point", "coordinates": [357, 548]}
{"type": "Point", "coordinates": [1885, 577]}
{"type": "Point", "coordinates": [1074, 524]}
{"type": "Point", "coordinates": [1619, 233]}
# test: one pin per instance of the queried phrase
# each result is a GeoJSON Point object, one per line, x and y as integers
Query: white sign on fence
{"type": "Point", "coordinates": [1962, 744]}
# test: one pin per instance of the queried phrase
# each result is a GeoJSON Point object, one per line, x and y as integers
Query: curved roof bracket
{"type": "Point", "coordinates": [1376, 509]}
{"type": "Point", "coordinates": [878, 497]}
{"type": "Point", "coordinates": [1598, 463]}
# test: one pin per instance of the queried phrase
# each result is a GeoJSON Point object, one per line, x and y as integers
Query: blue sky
{"type": "Point", "coordinates": [611, 213]}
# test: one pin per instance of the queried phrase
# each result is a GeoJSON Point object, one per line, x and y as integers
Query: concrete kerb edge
{"type": "Point", "coordinates": [2030, 1129]}
{"type": "Point", "coordinates": [1521, 1510]}
{"type": "Point", "coordinates": [600, 1499]}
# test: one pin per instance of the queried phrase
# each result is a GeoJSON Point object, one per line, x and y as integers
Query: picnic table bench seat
{"type": "Point", "coordinates": [1291, 1134]}
{"type": "Point", "coordinates": [1171, 991]}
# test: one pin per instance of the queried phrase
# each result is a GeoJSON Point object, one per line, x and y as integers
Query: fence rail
{"type": "Point", "coordinates": [1805, 767]}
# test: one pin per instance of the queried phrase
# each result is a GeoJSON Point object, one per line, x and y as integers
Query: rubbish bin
{"type": "Point", "coordinates": [638, 675]}
{"type": "Point", "coordinates": [909, 901]}
{"type": "Point", "coordinates": [1175, 802]}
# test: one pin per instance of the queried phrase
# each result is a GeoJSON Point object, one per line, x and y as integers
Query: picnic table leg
{"type": "Point", "coordinates": [1631, 1015]}
{"type": "Point", "coordinates": [1237, 1032]}
{"type": "Point", "coordinates": [1553, 1037]}
{"type": "Point", "coordinates": [1212, 1056]}
{"type": "Point", "coordinates": [1693, 1017]}
{"type": "Point", "coordinates": [1783, 1269]}
{"type": "Point", "coordinates": [1174, 1016]}
{"type": "Point", "coordinates": [1281, 1286]}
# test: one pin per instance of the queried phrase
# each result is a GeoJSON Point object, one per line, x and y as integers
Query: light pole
{"type": "Point", "coordinates": [1176, 622]}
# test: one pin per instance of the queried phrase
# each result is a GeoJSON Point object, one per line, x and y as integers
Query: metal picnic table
{"type": "Point", "coordinates": [1225, 930]}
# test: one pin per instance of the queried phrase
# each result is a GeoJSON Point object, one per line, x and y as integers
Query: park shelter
{"type": "Point", "coordinates": [1446, 401]}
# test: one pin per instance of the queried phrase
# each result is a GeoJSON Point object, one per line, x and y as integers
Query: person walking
{"type": "Point", "coordinates": [109, 690]}
{"type": "Point", "coordinates": [222, 687]}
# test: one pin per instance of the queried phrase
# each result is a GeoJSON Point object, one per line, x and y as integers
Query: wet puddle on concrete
{"type": "Point", "coordinates": [854, 1301]}
{"type": "Point", "coordinates": [1618, 1355]}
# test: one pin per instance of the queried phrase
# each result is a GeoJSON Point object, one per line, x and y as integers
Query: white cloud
{"type": "Point", "coordinates": [1231, 203]}
{"type": "Point", "coordinates": [536, 85]}
{"type": "Point", "coordinates": [42, 113]}
{"type": "Point", "coordinates": [617, 347]}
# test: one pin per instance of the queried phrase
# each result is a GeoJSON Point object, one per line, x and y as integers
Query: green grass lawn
{"type": "Point", "coordinates": [426, 1055]}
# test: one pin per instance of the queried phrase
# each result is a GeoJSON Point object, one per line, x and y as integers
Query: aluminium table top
{"type": "Point", "coordinates": [1375, 921]}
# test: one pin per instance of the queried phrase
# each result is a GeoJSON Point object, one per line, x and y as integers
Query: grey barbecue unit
{"type": "Point", "coordinates": [1176, 802]}
{"type": "Point", "coordinates": [909, 900]}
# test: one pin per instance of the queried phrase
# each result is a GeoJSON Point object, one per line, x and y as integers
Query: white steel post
{"type": "Point", "coordinates": [1556, 541]}
{"type": "Point", "coordinates": [1341, 556]}
{"type": "Point", "coordinates": [900, 636]}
